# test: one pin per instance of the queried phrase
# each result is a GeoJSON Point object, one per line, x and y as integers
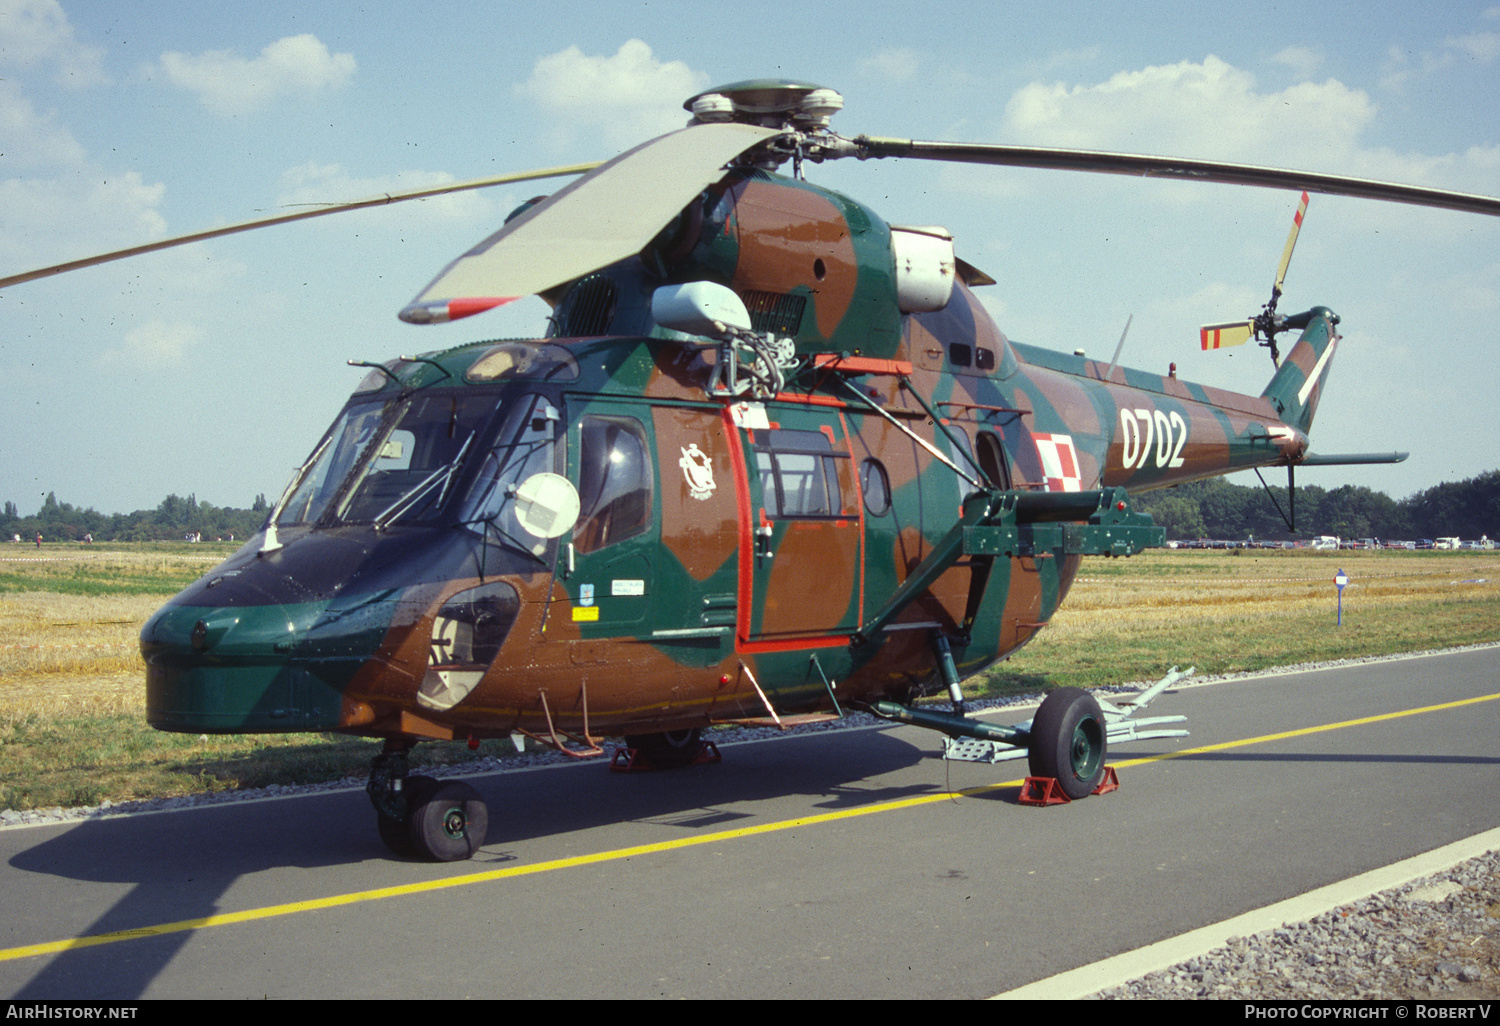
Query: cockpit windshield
{"type": "Point", "coordinates": [388, 460]}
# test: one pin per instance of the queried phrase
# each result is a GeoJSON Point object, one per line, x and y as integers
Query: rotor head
{"type": "Point", "coordinates": [767, 102]}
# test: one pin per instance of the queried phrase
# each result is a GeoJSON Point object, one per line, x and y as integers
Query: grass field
{"type": "Point", "coordinates": [72, 694]}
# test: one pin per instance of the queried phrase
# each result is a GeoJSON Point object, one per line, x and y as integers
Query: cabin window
{"type": "Point", "coordinates": [875, 483]}
{"type": "Point", "coordinates": [992, 460]}
{"type": "Point", "coordinates": [960, 354]}
{"type": "Point", "coordinates": [799, 474]}
{"type": "Point", "coordinates": [614, 481]}
{"type": "Point", "coordinates": [961, 452]}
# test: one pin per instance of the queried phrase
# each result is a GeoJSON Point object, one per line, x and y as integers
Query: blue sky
{"type": "Point", "coordinates": [213, 369]}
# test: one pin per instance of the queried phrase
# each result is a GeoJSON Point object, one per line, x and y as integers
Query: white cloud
{"type": "Point", "coordinates": [312, 184]}
{"type": "Point", "coordinates": [31, 139]}
{"type": "Point", "coordinates": [631, 96]}
{"type": "Point", "coordinates": [64, 206]}
{"type": "Point", "coordinates": [34, 32]}
{"type": "Point", "coordinates": [157, 344]}
{"type": "Point", "coordinates": [1208, 110]}
{"type": "Point", "coordinates": [1481, 46]}
{"type": "Point", "coordinates": [228, 84]}
{"type": "Point", "coordinates": [1400, 67]}
{"type": "Point", "coordinates": [1303, 60]}
{"type": "Point", "coordinates": [893, 64]}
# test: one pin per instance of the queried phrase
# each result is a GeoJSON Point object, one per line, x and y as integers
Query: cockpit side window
{"type": "Point", "coordinates": [528, 444]}
{"type": "Point", "coordinates": [615, 481]}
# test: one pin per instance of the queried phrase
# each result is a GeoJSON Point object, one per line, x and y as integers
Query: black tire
{"type": "Point", "coordinates": [396, 833]}
{"type": "Point", "coordinates": [670, 750]}
{"type": "Point", "coordinates": [1069, 741]}
{"type": "Point", "coordinates": [448, 822]}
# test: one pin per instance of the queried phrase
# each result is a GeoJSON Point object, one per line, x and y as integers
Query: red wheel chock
{"type": "Point", "coordinates": [1111, 781]}
{"type": "Point", "coordinates": [1047, 791]}
{"type": "Point", "coordinates": [630, 760]}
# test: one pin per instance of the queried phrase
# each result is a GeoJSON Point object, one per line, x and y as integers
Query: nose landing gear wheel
{"type": "Point", "coordinates": [447, 821]}
{"type": "Point", "coordinates": [1068, 741]}
{"type": "Point", "coordinates": [396, 833]}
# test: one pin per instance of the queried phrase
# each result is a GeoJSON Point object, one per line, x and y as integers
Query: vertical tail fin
{"type": "Point", "coordinates": [1297, 385]}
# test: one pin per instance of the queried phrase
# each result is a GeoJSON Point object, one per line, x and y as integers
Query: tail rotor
{"type": "Point", "coordinates": [1266, 324]}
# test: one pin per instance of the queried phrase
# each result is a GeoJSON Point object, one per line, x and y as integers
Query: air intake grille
{"type": "Point", "coordinates": [775, 312]}
{"type": "Point", "coordinates": [588, 308]}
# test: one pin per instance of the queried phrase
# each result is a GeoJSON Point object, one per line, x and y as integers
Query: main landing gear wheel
{"type": "Point", "coordinates": [1068, 741]}
{"type": "Point", "coordinates": [670, 750]}
{"type": "Point", "coordinates": [446, 821]}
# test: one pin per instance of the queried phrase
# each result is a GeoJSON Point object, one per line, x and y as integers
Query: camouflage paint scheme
{"type": "Point", "coordinates": [712, 605]}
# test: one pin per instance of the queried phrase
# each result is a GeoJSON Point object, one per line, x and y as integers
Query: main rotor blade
{"type": "Point", "coordinates": [605, 216]}
{"type": "Point", "coordinates": [301, 215]}
{"type": "Point", "coordinates": [1174, 167]}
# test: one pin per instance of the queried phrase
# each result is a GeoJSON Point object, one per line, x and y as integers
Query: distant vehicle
{"type": "Point", "coordinates": [1324, 541]}
{"type": "Point", "coordinates": [1425, 543]}
{"type": "Point", "coordinates": [1447, 543]}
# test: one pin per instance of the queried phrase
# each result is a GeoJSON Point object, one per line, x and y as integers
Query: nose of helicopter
{"type": "Point", "coordinates": [237, 668]}
{"type": "Point", "coordinates": [263, 644]}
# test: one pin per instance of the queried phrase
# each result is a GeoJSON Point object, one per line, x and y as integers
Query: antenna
{"type": "Point", "coordinates": [1113, 363]}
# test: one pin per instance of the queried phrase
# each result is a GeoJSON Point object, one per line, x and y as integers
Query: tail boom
{"type": "Point", "coordinates": [1298, 383]}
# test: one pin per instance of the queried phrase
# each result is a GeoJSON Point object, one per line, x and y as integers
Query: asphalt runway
{"type": "Point", "coordinates": [840, 864]}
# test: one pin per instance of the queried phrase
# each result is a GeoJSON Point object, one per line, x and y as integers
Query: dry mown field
{"type": "Point", "coordinates": [72, 685]}
{"type": "Point", "coordinates": [1222, 612]}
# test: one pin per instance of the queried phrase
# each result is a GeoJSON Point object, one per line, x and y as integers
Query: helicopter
{"type": "Point", "coordinates": [771, 461]}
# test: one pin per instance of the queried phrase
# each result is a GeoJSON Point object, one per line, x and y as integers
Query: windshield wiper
{"type": "Point", "coordinates": [409, 499]}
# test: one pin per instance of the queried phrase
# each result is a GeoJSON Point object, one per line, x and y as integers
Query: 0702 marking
{"type": "Point", "coordinates": [1145, 434]}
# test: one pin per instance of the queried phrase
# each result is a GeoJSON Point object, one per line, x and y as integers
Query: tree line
{"type": "Point", "coordinates": [1217, 509]}
{"type": "Point", "coordinates": [174, 519]}
{"type": "Point", "coordinates": [1214, 508]}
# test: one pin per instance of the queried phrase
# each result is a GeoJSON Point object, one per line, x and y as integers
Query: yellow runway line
{"type": "Point", "coordinates": [488, 876]}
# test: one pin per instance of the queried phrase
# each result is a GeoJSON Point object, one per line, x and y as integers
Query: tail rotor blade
{"type": "Point", "coordinates": [1221, 336]}
{"type": "Point", "coordinates": [1291, 241]}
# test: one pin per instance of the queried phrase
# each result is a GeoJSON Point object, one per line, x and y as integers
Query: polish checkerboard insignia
{"type": "Point", "coordinates": [1059, 462]}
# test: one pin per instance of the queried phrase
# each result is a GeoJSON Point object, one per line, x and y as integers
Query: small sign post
{"type": "Point", "coordinates": [1341, 579]}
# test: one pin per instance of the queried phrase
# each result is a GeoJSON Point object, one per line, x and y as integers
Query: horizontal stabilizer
{"type": "Point", "coordinates": [1348, 459]}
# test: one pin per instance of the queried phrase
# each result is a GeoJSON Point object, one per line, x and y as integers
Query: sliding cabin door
{"type": "Point", "coordinates": [804, 562]}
